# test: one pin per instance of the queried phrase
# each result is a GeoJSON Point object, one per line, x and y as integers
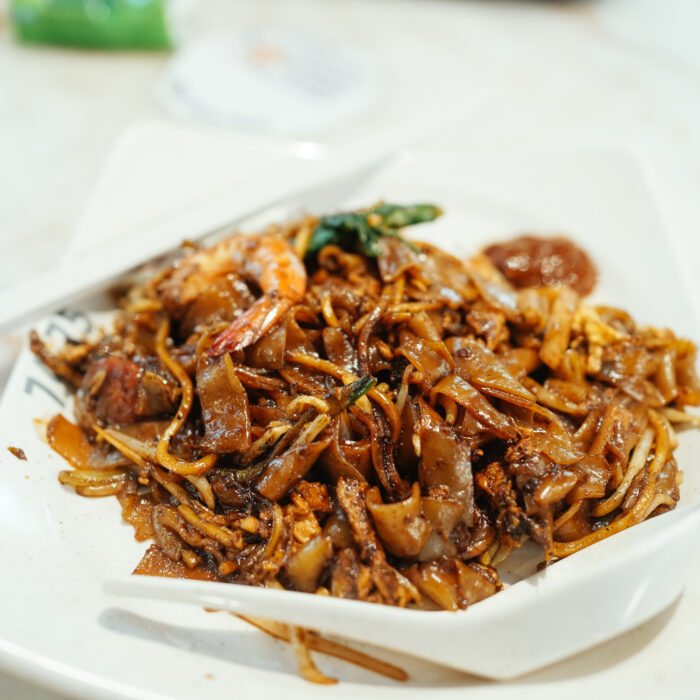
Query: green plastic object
{"type": "Point", "coordinates": [95, 24]}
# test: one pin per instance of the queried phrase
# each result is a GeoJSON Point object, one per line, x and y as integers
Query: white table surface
{"type": "Point", "coordinates": [607, 70]}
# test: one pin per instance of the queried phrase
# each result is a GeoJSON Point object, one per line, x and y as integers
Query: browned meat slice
{"type": "Point", "coordinates": [108, 392]}
{"type": "Point", "coordinates": [117, 390]}
{"type": "Point", "coordinates": [224, 402]}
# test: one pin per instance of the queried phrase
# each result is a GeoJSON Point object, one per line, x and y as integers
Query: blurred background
{"type": "Point", "coordinates": [323, 70]}
{"type": "Point", "coordinates": [75, 75]}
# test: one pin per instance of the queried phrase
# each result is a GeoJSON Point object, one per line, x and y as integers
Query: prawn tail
{"type": "Point", "coordinates": [250, 326]}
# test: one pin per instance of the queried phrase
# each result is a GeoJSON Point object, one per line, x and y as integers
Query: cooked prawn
{"type": "Point", "coordinates": [281, 275]}
{"type": "Point", "coordinates": [268, 260]}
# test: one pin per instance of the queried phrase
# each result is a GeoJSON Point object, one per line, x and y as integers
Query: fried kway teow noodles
{"type": "Point", "coordinates": [328, 408]}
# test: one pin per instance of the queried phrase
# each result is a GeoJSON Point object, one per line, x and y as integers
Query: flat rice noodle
{"type": "Point", "coordinates": [665, 376]}
{"type": "Point", "coordinates": [220, 302]}
{"type": "Point", "coordinates": [400, 526]}
{"type": "Point", "coordinates": [620, 428]}
{"type": "Point", "coordinates": [304, 380]}
{"type": "Point", "coordinates": [494, 288]}
{"type": "Point", "coordinates": [285, 471]}
{"type": "Point", "coordinates": [346, 458]}
{"type": "Point", "coordinates": [570, 391]}
{"type": "Point", "coordinates": [377, 361]}
{"type": "Point", "coordinates": [257, 380]}
{"type": "Point", "coordinates": [342, 295]}
{"type": "Point", "coordinates": [461, 391]}
{"type": "Point", "coordinates": [298, 339]}
{"type": "Point", "coordinates": [447, 320]}
{"type": "Point", "coordinates": [346, 428]}
{"type": "Point", "coordinates": [489, 324]}
{"type": "Point", "coordinates": [476, 582]}
{"type": "Point", "coordinates": [72, 444]}
{"type": "Point", "coordinates": [144, 431]}
{"type": "Point", "coordinates": [572, 367]}
{"type": "Point", "coordinates": [436, 546]}
{"type": "Point", "coordinates": [626, 365]}
{"type": "Point", "coordinates": [315, 339]}
{"type": "Point", "coordinates": [337, 528]}
{"type": "Point", "coordinates": [585, 433]}
{"type": "Point", "coordinates": [442, 513]}
{"type": "Point", "coordinates": [478, 538]}
{"type": "Point", "coordinates": [482, 367]}
{"type": "Point", "coordinates": [550, 396]}
{"type": "Point", "coordinates": [445, 460]}
{"type": "Point", "coordinates": [534, 304]}
{"type": "Point", "coordinates": [438, 584]}
{"type": "Point", "coordinates": [473, 430]}
{"type": "Point", "coordinates": [594, 475]}
{"type": "Point", "coordinates": [305, 566]}
{"type": "Point", "coordinates": [617, 318]}
{"type": "Point", "coordinates": [452, 584]}
{"type": "Point", "coordinates": [540, 482]}
{"type": "Point", "coordinates": [405, 450]}
{"type": "Point", "coordinates": [422, 325]}
{"type": "Point", "coordinates": [555, 486]}
{"type": "Point", "coordinates": [157, 394]}
{"type": "Point", "coordinates": [423, 356]}
{"type": "Point", "coordinates": [339, 350]}
{"type": "Point", "coordinates": [686, 374]}
{"type": "Point", "coordinates": [577, 526]}
{"type": "Point", "coordinates": [262, 415]}
{"type": "Point", "coordinates": [547, 435]}
{"type": "Point", "coordinates": [557, 448]}
{"type": "Point", "coordinates": [268, 352]}
{"type": "Point", "coordinates": [519, 362]}
{"type": "Point", "coordinates": [667, 483]}
{"type": "Point", "coordinates": [558, 330]}
{"type": "Point", "coordinates": [224, 406]}
{"type": "Point", "coordinates": [395, 259]}
{"type": "Point", "coordinates": [447, 277]}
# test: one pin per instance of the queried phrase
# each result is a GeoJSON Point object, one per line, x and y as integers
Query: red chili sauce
{"type": "Point", "coordinates": [530, 261]}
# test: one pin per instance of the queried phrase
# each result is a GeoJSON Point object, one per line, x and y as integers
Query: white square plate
{"type": "Point", "coordinates": [59, 628]}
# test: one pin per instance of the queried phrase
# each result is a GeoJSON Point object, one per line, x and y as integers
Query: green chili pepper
{"type": "Point", "coordinates": [366, 228]}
